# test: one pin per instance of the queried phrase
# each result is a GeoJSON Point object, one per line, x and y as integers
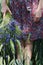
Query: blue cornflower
{"type": "Point", "coordinates": [13, 39]}
{"type": "Point", "coordinates": [11, 28]}
{"type": "Point", "coordinates": [14, 22]}
{"type": "Point", "coordinates": [7, 38]}
{"type": "Point", "coordinates": [7, 35]}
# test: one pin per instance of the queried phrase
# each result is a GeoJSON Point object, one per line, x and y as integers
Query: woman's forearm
{"type": "Point", "coordinates": [3, 2]}
{"type": "Point", "coordinates": [39, 11]}
{"type": "Point", "coordinates": [40, 4]}
{"type": "Point", "coordinates": [4, 7]}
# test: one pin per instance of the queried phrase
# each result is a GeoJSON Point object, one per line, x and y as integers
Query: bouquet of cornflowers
{"type": "Point", "coordinates": [9, 36]}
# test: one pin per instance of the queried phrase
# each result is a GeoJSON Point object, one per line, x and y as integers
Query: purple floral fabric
{"type": "Point", "coordinates": [24, 17]}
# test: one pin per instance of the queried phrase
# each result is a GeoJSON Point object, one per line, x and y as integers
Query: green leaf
{"type": "Point", "coordinates": [1, 60]}
{"type": "Point", "coordinates": [6, 20]}
{"type": "Point", "coordinates": [12, 62]}
{"type": "Point", "coordinates": [19, 62]}
{"type": "Point", "coordinates": [8, 58]}
{"type": "Point", "coordinates": [19, 49]}
{"type": "Point", "coordinates": [18, 31]}
{"type": "Point", "coordinates": [1, 47]}
{"type": "Point", "coordinates": [12, 46]}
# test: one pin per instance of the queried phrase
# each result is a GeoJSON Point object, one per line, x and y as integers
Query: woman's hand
{"type": "Point", "coordinates": [38, 12]}
{"type": "Point", "coordinates": [5, 8]}
{"type": "Point", "coordinates": [37, 15]}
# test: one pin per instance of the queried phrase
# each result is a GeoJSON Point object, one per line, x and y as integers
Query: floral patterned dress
{"type": "Point", "coordinates": [25, 17]}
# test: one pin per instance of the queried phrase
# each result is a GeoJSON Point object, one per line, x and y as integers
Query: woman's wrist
{"type": "Point", "coordinates": [3, 3]}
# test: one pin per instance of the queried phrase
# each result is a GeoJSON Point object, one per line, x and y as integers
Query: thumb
{"type": "Point", "coordinates": [9, 10]}
{"type": "Point", "coordinates": [4, 14]}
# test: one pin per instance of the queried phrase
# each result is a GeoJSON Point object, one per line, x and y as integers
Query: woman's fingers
{"type": "Point", "coordinates": [5, 9]}
{"type": "Point", "coordinates": [3, 12]}
{"type": "Point", "coordinates": [37, 15]}
{"type": "Point", "coordinates": [9, 10]}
